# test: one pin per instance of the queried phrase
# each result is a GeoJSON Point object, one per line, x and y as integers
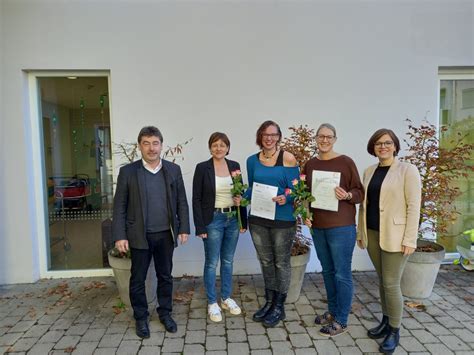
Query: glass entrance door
{"type": "Point", "coordinates": [78, 170]}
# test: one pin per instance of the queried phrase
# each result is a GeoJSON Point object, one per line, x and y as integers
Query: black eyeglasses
{"type": "Point", "coordinates": [387, 144]}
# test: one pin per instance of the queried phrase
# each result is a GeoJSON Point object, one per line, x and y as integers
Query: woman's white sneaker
{"type": "Point", "coordinates": [230, 305]}
{"type": "Point", "coordinates": [214, 312]}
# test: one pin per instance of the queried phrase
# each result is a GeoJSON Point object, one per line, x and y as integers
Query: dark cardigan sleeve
{"type": "Point", "coordinates": [197, 200]}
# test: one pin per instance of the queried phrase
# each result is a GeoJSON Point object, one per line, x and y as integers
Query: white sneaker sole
{"type": "Point", "coordinates": [234, 311]}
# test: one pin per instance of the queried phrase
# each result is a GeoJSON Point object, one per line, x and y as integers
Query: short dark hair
{"type": "Point", "coordinates": [263, 127]}
{"type": "Point", "coordinates": [219, 135]}
{"type": "Point", "coordinates": [376, 136]}
{"type": "Point", "coordinates": [150, 131]}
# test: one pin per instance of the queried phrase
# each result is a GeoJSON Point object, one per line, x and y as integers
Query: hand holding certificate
{"type": "Point", "coordinates": [262, 203]}
{"type": "Point", "coordinates": [323, 186]}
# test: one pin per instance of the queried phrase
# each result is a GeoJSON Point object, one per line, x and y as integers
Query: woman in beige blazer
{"type": "Point", "coordinates": [388, 227]}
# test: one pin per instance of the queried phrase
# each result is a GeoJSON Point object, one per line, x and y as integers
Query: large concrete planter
{"type": "Point", "coordinates": [121, 268]}
{"type": "Point", "coordinates": [298, 269]}
{"type": "Point", "coordinates": [421, 270]}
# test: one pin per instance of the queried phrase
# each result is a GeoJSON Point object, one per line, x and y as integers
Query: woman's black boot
{"type": "Point", "coordinates": [391, 341]}
{"type": "Point", "coordinates": [262, 312]}
{"type": "Point", "coordinates": [379, 331]}
{"type": "Point", "coordinates": [276, 312]}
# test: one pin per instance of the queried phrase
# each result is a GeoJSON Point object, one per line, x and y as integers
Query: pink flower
{"type": "Point", "coordinates": [303, 177]}
{"type": "Point", "coordinates": [234, 173]}
{"type": "Point", "coordinates": [287, 191]}
{"type": "Point", "coordinates": [295, 182]}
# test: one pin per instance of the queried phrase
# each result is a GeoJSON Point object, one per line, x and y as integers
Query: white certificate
{"type": "Point", "coordinates": [322, 187]}
{"type": "Point", "coordinates": [261, 203]}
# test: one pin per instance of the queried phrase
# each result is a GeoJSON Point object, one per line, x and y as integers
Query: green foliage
{"type": "Point", "coordinates": [439, 168]}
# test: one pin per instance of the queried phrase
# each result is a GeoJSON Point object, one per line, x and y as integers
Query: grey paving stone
{"type": "Point", "coordinates": [41, 348]}
{"type": "Point", "coordinates": [357, 331]}
{"type": "Point", "coordinates": [277, 334]}
{"type": "Point", "coordinates": [93, 334]}
{"type": "Point", "coordinates": [305, 351]}
{"type": "Point", "coordinates": [326, 347]}
{"type": "Point", "coordinates": [344, 339]}
{"type": "Point", "coordinates": [281, 347]}
{"type": "Point", "coordinates": [305, 309]}
{"type": "Point", "coordinates": [194, 349]}
{"type": "Point", "coordinates": [236, 336]}
{"type": "Point", "coordinates": [300, 340]}
{"type": "Point", "coordinates": [9, 338]}
{"type": "Point", "coordinates": [258, 342]}
{"type": "Point", "coordinates": [424, 337]}
{"type": "Point", "coordinates": [438, 349]}
{"type": "Point", "coordinates": [198, 313]}
{"type": "Point", "coordinates": [292, 316]}
{"type": "Point", "coordinates": [117, 328]}
{"type": "Point", "coordinates": [254, 328]}
{"type": "Point", "coordinates": [410, 323]}
{"type": "Point", "coordinates": [314, 333]}
{"type": "Point", "coordinates": [9, 321]}
{"type": "Point", "coordinates": [449, 322]}
{"type": "Point", "coordinates": [294, 327]}
{"type": "Point", "coordinates": [24, 344]}
{"type": "Point", "coordinates": [129, 347]}
{"type": "Point", "coordinates": [215, 329]}
{"type": "Point", "coordinates": [85, 348]}
{"type": "Point", "coordinates": [110, 341]}
{"type": "Point", "coordinates": [22, 326]}
{"type": "Point", "coordinates": [216, 343]}
{"type": "Point", "coordinates": [235, 322]}
{"type": "Point", "coordinates": [105, 351]}
{"type": "Point", "coordinates": [411, 344]}
{"type": "Point", "coordinates": [78, 329]}
{"type": "Point", "coordinates": [368, 345]}
{"type": "Point", "coordinates": [152, 350]}
{"type": "Point", "coordinates": [51, 336]}
{"type": "Point", "coordinates": [155, 339]}
{"type": "Point", "coordinates": [196, 324]}
{"type": "Point", "coordinates": [238, 349]}
{"type": "Point", "coordinates": [67, 341]}
{"type": "Point", "coordinates": [48, 319]}
{"type": "Point", "coordinates": [173, 345]}
{"type": "Point", "coordinates": [261, 352]}
{"type": "Point", "coordinates": [195, 337]}
{"type": "Point", "coordinates": [464, 334]}
{"type": "Point", "coordinates": [349, 350]}
{"type": "Point", "coordinates": [453, 342]}
{"type": "Point", "coordinates": [437, 329]}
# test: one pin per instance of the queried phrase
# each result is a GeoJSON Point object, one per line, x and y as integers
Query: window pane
{"type": "Point", "coordinates": [457, 113]}
{"type": "Point", "coordinates": [78, 170]}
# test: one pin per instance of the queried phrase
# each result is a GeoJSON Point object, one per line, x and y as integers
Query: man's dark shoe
{"type": "Point", "coordinates": [142, 329]}
{"type": "Point", "coordinates": [169, 323]}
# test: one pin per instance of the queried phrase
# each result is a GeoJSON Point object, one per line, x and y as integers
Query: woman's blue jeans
{"type": "Point", "coordinates": [221, 242]}
{"type": "Point", "coordinates": [334, 247]}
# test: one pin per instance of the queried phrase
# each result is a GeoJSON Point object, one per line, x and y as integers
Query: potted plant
{"type": "Point", "coordinates": [302, 144]}
{"type": "Point", "coordinates": [121, 263]}
{"type": "Point", "coordinates": [440, 168]}
{"type": "Point", "coordinates": [465, 247]}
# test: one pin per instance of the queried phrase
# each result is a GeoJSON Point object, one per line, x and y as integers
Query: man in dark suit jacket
{"type": "Point", "coordinates": [150, 215]}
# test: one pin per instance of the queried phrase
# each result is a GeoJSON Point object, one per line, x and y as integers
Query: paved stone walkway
{"type": "Point", "coordinates": [82, 316]}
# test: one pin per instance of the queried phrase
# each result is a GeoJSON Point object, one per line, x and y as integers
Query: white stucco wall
{"type": "Point", "coordinates": [195, 67]}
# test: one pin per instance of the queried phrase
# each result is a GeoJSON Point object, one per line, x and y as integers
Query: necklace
{"type": "Point", "coordinates": [269, 157]}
